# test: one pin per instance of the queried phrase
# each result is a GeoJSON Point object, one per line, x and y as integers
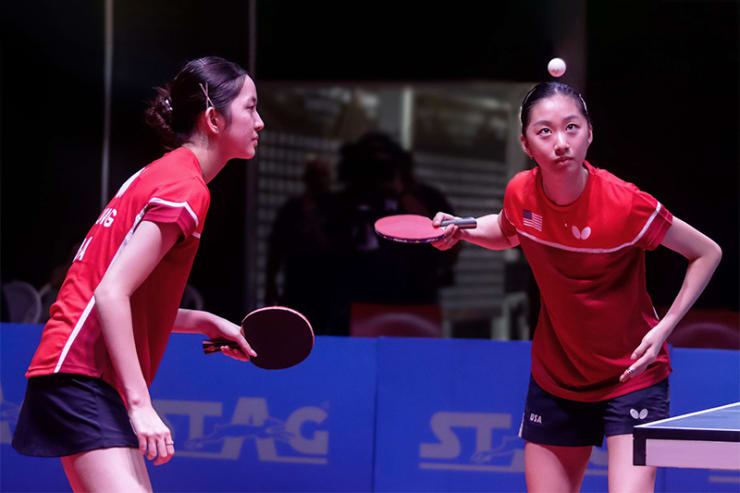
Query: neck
{"type": "Point", "coordinates": [564, 188]}
{"type": "Point", "coordinates": [210, 160]}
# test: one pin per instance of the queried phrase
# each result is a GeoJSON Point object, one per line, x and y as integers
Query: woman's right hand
{"type": "Point", "coordinates": [155, 438]}
{"type": "Point", "coordinates": [451, 233]}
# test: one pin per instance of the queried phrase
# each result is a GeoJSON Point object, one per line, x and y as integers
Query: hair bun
{"type": "Point", "coordinates": [158, 115]}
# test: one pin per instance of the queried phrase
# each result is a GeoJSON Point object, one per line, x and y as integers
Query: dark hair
{"type": "Point", "coordinates": [545, 90]}
{"type": "Point", "coordinates": [202, 82]}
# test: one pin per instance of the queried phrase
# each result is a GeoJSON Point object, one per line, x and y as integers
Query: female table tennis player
{"type": "Point", "coordinates": [87, 399]}
{"type": "Point", "coordinates": [599, 359]}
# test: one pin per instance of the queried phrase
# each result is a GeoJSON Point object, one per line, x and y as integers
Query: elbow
{"type": "Point", "coordinates": [105, 293]}
{"type": "Point", "coordinates": [716, 253]}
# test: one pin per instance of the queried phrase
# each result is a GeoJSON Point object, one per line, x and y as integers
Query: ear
{"type": "Point", "coordinates": [213, 120]}
{"type": "Point", "coordinates": [590, 134]}
{"type": "Point", "coordinates": [525, 147]}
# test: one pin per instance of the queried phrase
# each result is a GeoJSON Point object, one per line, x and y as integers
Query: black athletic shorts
{"type": "Point", "coordinates": [550, 420]}
{"type": "Point", "coordinates": [65, 414]}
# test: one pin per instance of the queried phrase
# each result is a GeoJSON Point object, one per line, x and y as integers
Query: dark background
{"type": "Point", "coordinates": [660, 78]}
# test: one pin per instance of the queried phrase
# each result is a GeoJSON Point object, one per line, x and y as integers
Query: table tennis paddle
{"type": "Point", "coordinates": [281, 337]}
{"type": "Point", "coordinates": [411, 228]}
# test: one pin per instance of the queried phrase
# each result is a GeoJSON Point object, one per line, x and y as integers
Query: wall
{"type": "Point", "coordinates": [358, 415]}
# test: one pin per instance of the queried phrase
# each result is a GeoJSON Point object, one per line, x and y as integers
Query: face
{"type": "Point", "coordinates": [558, 135]}
{"type": "Point", "coordinates": [239, 138]}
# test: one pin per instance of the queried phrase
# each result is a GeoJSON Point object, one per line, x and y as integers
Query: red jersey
{"type": "Point", "coordinates": [588, 259]}
{"type": "Point", "coordinates": [169, 190]}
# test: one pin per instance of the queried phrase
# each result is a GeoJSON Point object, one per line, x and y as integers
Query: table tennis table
{"type": "Point", "coordinates": [708, 439]}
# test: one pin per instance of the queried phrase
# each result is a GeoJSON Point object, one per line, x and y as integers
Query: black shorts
{"type": "Point", "coordinates": [550, 420]}
{"type": "Point", "coordinates": [65, 414]}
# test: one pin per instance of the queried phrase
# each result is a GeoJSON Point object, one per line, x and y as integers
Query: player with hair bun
{"type": "Point", "coordinates": [87, 399]}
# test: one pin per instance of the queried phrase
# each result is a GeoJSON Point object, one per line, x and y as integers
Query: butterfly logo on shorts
{"type": "Point", "coordinates": [639, 415]}
{"type": "Point", "coordinates": [581, 234]}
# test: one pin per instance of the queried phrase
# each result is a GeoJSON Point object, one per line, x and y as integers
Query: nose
{"type": "Point", "coordinates": [561, 143]}
{"type": "Point", "coordinates": [259, 124]}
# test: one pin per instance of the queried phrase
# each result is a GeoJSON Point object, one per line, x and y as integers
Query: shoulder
{"type": "Point", "coordinates": [523, 183]}
{"type": "Point", "coordinates": [620, 193]}
{"type": "Point", "coordinates": [177, 172]}
{"type": "Point", "coordinates": [633, 214]}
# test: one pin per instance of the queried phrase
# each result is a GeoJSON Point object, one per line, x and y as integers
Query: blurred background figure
{"type": "Point", "coordinates": [300, 270]}
{"type": "Point", "coordinates": [379, 278]}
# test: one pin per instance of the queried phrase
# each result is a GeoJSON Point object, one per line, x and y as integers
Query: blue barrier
{"type": "Point", "coordinates": [389, 414]}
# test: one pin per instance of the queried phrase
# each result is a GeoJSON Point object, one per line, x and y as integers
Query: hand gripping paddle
{"type": "Point", "coordinates": [280, 336]}
{"type": "Point", "coordinates": [410, 228]}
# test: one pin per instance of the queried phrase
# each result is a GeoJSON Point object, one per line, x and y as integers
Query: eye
{"type": "Point", "coordinates": [543, 131]}
{"type": "Point", "coordinates": [571, 126]}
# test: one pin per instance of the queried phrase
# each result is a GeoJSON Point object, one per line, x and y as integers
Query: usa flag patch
{"type": "Point", "coordinates": [532, 219]}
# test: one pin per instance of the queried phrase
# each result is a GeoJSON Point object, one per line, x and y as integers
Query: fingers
{"type": "Point", "coordinates": [629, 374]}
{"type": "Point", "coordinates": [441, 216]}
{"type": "Point", "coordinates": [640, 350]}
{"type": "Point", "coordinates": [142, 444]}
{"type": "Point", "coordinates": [151, 448]}
{"type": "Point", "coordinates": [165, 449]}
{"type": "Point", "coordinates": [637, 367]}
{"type": "Point", "coordinates": [155, 438]}
{"type": "Point", "coordinates": [235, 353]}
{"type": "Point", "coordinates": [246, 348]}
{"type": "Point", "coordinates": [450, 237]}
{"type": "Point", "coordinates": [160, 449]}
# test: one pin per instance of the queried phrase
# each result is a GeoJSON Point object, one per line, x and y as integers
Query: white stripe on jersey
{"type": "Point", "coordinates": [127, 238]}
{"type": "Point", "coordinates": [157, 200]}
{"type": "Point", "coordinates": [76, 331]}
{"type": "Point", "coordinates": [127, 183]}
{"type": "Point", "coordinates": [91, 303]}
{"type": "Point", "coordinates": [595, 250]}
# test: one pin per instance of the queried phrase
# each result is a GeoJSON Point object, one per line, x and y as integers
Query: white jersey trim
{"type": "Point", "coordinates": [127, 183]}
{"type": "Point", "coordinates": [595, 250]}
{"type": "Point", "coordinates": [168, 203]}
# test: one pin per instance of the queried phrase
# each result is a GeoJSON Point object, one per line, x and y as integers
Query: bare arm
{"type": "Point", "coordinates": [149, 243]}
{"type": "Point", "coordinates": [487, 234]}
{"type": "Point", "coordinates": [214, 327]}
{"type": "Point", "coordinates": [703, 255]}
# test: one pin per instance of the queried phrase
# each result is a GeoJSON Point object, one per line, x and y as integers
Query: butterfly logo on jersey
{"type": "Point", "coordinates": [638, 415]}
{"type": "Point", "coordinates": [581, 234]}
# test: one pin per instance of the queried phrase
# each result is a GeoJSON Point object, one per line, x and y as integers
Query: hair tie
{"type": "Point", "coordinates": [168, 104]}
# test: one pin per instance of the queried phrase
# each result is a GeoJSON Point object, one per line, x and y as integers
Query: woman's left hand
{"type": "Point", "coordinates": [214, 327]}
{"type": "Point", "coordinates": [228, 330]}
{"type": "Point", "coordinates": [645, 353]}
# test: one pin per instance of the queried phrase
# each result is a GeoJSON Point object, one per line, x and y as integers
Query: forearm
{"type": "Point", "coordinates": [698, 274]}
{"type": "Point", "coordinates": [703, 255]}
{"type": "Point", "coordinates": [196, 322]}
{"type": "Point", "coordinates": [488, 234]}
{"type": "Point", "coordinates": [114, 311]}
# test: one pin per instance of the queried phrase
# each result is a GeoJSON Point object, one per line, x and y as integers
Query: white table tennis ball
{"type": "Point", "coordinates": [556, 67]}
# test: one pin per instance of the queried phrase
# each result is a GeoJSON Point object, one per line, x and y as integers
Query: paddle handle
{"type": "Point", "coordinates": [461, 222]}
{"type": "Point", "coordinates": [211, 346]}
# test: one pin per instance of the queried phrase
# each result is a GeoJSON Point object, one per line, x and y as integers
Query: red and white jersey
{"type": "Point", "coordinates": [169, 190]}
{"type": "Point", "coordinates": [588, 259]}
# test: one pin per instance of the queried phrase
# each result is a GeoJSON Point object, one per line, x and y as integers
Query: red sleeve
{"type": "Point", "coordinates": [658, 220]}
{"type": "Point", "coordinates": [508, 213]}
{"type": "Point", "coordinates": [183, 203]}
{"type": "Point", "coordinates": [506, 226]}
